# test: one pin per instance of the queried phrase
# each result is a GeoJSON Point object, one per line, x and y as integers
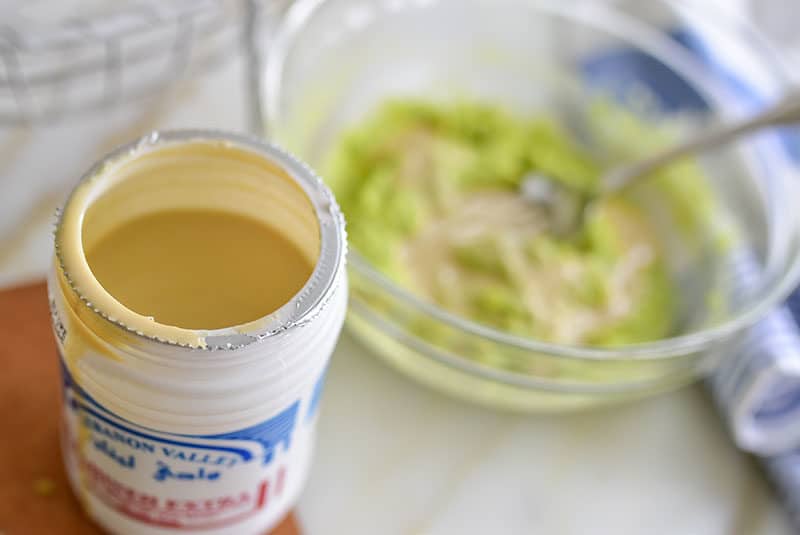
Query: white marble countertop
{"type": "Point", "coordinates": [397, 458]}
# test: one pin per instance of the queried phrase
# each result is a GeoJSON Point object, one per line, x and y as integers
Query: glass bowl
{"type": "Point", "coordinates": [331, 62]}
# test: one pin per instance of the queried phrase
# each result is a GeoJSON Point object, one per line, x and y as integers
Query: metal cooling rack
{"type": "Point", "coordinates": [62, 58]}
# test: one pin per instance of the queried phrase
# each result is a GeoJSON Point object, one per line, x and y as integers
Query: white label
{"type": "Point", "coordinates": [144, 481]}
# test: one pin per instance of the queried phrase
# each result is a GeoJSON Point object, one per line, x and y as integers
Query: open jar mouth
{"type": "Point", "coordinates": [777, 284]}
{"type": "Point", "coordinates": [259, 180]}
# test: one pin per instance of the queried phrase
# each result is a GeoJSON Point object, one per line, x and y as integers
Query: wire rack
{"type": "Point", "coordinates": [62, 58]}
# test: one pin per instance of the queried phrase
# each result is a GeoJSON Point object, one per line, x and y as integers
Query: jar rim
{"type": "Point", "coordinates": [302, 308]}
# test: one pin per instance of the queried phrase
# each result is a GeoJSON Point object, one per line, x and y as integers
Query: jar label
{"type": "Point", "coordinates": [188, 482]}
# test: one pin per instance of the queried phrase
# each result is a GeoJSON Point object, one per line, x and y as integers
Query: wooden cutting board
{"type": "Point", "coordinates": [34, 495]}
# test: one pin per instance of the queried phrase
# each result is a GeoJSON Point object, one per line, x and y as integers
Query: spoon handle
{"type": "Point", "coordinates": [787, 111]}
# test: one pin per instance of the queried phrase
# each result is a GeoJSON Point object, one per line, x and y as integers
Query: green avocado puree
{"type": "Point", "coordinates": [430, 193]}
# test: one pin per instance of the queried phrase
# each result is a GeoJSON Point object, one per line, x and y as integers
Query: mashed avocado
{"type": "Point", "coordinates": [430, 193]}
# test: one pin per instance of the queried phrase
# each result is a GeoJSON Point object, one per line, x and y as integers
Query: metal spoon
{"type": "Point", "coordinates": [568, 207]}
